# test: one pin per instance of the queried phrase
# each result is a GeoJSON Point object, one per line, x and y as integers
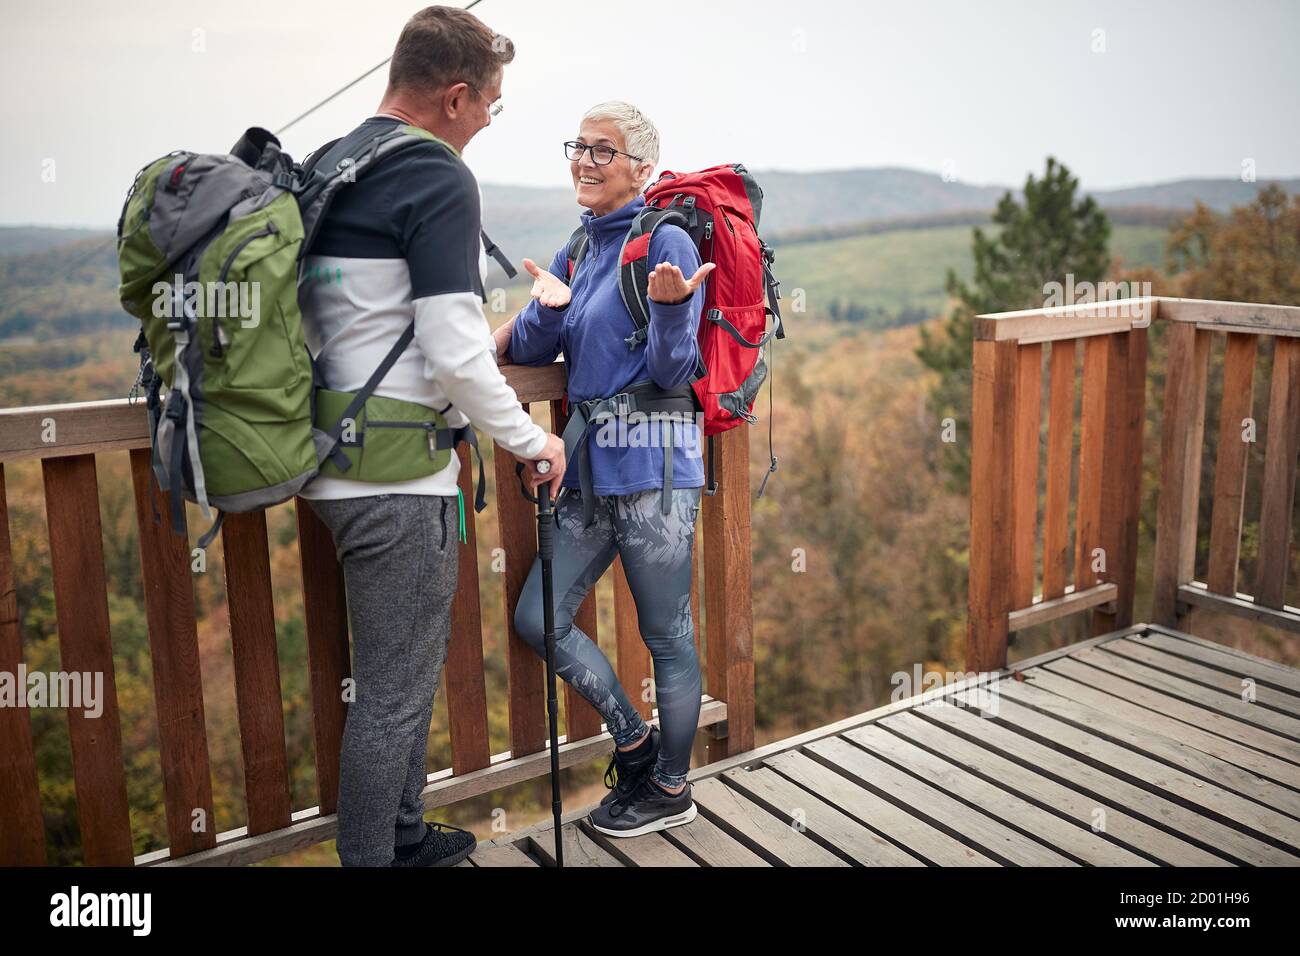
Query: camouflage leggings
{"type": "Point", "coordinates": [656, 549]}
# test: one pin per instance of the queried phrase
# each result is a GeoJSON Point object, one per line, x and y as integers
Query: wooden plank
{"type": "Point", "coordinates": [915, 834]}
{"type": "Point", "coordinates": [579, 849]}
{"type": "Point", "coordinates": [992, 437]}
{"type": "Point", "coordinates": [1181, 437]}
{"type": "Point", "coordinates": [1060, 454]}
{"type": "Point", "coordinates": [971, 826]}
{"type": "Point", "coordinates": [174, 659]}
{"type": "Point", "coordinates": [651, 849]}
{"type": "Point", "coordinates": [1257, 757]}
{"type": "Point", "coordinates": [1269, 673]}
{"type": "Point", "coordinates": [1284, 743]}
{"type": "Point", "coordinates": [87, 428]}
{"type": "Point", "coordinates": [1242, 605]}
{"type": "Point", "coordinates": [820, 819]}
{"type": "Point", "coordinates": [1122, 478]}
{"type": "Point", "coordinates": [1040, 611]}
{"type": "Point", "coordinates": [1225, 316]}
{"type": "Point", "coordinates": [1198, 840]}
{"type": "Point", "coordinates": [85, 648]}
{"type": "Point", "coordinates": [1229, 683]}
{"type": "Point", "coordinates": [1078, 320]}
{"type": "Point", "coordinates": [500, 855]}
{"type": "Point", "coordinates": [525, 668]}
{"type": "Point", "coordinates": [467, 713]}
{"type": "Point", "coordinates": [1249, 780]}
{"type": "Point", "coordinates": [1278, 499]}
{"type": "Point", "coordinates": [254, 648]}
{"type": "Point", "coordinates": [580, 718]}
{"type": "Point", "coordinates": [1024, 473]}
{"type": "Point", "coordinates": [1213, 802]}
{"type": "Point", "coordinates": [1097, 356]}
{"type": "Point", "coordinates": [1076, 842]}
{"type": "Point", "coordinates": [729, 609]}
{"type": "Point", "coordinates": [758, 754]}
{"type": "Point", "coordinates": [633, 665]}
{"type": "Point", "coordinates": [22, 826]}
{"type": "Point", "coordinates": [1230, 465]}
{"type": "Point", "coordinates": [1035, 775]}
{"type": "Point", "coordinates": [749, 823]}
{"type": "Point", "coordinates": [705, 841]}
{"type": "Point", "coordinates": [325, 613]}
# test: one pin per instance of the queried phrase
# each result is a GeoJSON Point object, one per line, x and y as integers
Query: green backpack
{"type": "Point", "coordinates": [210, 249]}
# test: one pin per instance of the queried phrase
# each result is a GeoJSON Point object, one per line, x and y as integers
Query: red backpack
{"type": "Point", "coordinates": [719, 208]}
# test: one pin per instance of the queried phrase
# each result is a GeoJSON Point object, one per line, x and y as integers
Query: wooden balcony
{"type": "Point", "coordinates": [1142, 745]}
{"type": "Point", "coordinates": [275, 826]}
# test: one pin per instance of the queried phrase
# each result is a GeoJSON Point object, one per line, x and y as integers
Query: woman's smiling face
{"type": "Point", "coordinates": [602, 189]}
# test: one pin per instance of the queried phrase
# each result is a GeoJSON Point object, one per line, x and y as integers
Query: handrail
{"type": "Point", "coordinates": [66, 440]}
{"type": "Point", "coordinates": [1006, 423]}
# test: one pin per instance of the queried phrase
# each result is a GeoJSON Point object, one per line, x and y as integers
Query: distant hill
{"type": "Point", "coordinates": [59, 282]}
{"type": "Point", "coordinates": [535, 222]}
{"type": "Point", "coordinates": [19, 239]}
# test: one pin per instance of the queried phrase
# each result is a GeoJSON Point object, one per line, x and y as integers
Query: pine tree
{"type": "Point", "coordinates": [1051, 236]}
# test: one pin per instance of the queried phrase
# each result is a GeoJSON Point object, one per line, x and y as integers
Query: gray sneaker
{"type": "Point", "coordinates": [646, 809]}
{"type": "Point", "coordinates": [622, 775]}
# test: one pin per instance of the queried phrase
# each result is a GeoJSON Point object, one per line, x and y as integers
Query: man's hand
{"type": "Point", "coordinates": [669, 287]}
{"type": "Point", "coordinates": [554, 453]}
{"type": "Point", "coordinates": [502, 339]}
{"type": "Point", "coordinates": [547, 289]}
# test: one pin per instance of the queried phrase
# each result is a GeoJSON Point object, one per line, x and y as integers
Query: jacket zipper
{"type": "Point", "coordinates": [270, 230]}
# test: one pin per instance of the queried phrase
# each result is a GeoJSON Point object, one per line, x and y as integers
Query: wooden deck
{"type": "Point", "coordinates": [1135, 748]}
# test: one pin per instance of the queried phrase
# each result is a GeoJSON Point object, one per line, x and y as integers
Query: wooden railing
{"type": "Point", "coordinates": [1005, 594]}
{"type": "Point", "coordinates": [274, 826]}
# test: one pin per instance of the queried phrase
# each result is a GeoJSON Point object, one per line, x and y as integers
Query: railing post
{"type": "Point", "coordinates": [993, 392]}
{"type": "Point", "coordinates": [729, 606]}
{"type": "Point", "coordinates": [1181, 433]}
{"type": "Point", "coordinates": [1121, 479]}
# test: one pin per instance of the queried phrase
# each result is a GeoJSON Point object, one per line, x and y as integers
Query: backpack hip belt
{"type": "Point", "coordinates": [644, 397]}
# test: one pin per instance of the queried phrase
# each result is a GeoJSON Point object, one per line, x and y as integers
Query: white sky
{"type": "Point", "coordinates": [1183, 89]}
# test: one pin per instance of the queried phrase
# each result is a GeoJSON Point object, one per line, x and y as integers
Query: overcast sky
{"type": "Point", "coordinates": [1124, 93]}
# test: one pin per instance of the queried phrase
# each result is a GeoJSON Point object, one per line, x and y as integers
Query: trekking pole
{"type": "Point", "coordinates": [546, 549]}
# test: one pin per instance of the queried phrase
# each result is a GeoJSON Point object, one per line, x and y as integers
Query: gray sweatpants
{"type": "Point", "coordinates": [400, 560]}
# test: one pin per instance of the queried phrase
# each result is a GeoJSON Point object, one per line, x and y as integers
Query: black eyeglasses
{"type": "Point", "coordinates": [600, 155]}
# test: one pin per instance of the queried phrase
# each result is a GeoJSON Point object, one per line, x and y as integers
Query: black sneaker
{"type": "Point", "coordinates": [622, 775]}
{"type": "Point", "coordinates": [443, 845]}
{"type": "Point", "coordinates": [646, 809]}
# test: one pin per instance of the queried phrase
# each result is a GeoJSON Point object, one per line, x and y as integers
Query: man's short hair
{"type": "Point", "coordinates": [440, 46]}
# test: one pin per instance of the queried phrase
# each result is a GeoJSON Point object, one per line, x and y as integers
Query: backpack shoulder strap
{"type": "Point", "coordinates": [633, 273]}
{"type": "Point", "coordinates": [577, 249]}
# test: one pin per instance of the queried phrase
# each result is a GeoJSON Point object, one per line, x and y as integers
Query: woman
{"type": "Point", "coordinates": [650, 524]}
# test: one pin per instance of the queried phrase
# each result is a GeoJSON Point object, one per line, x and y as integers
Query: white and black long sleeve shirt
{"type": "Point", "coordinates": [403, 242]}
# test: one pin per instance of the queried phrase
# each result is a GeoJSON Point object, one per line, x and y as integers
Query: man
{"type": "Point", "coordinates": [403, 242]}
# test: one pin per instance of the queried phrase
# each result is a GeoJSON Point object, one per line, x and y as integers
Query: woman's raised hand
{"type": "Point", "coordinates": [669, 287]}
{"type": "Point", "coordinates": [547, 289]}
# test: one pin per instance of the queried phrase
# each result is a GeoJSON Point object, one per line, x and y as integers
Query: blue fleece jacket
{"type": "Point", "coordinates": [590, 331]}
